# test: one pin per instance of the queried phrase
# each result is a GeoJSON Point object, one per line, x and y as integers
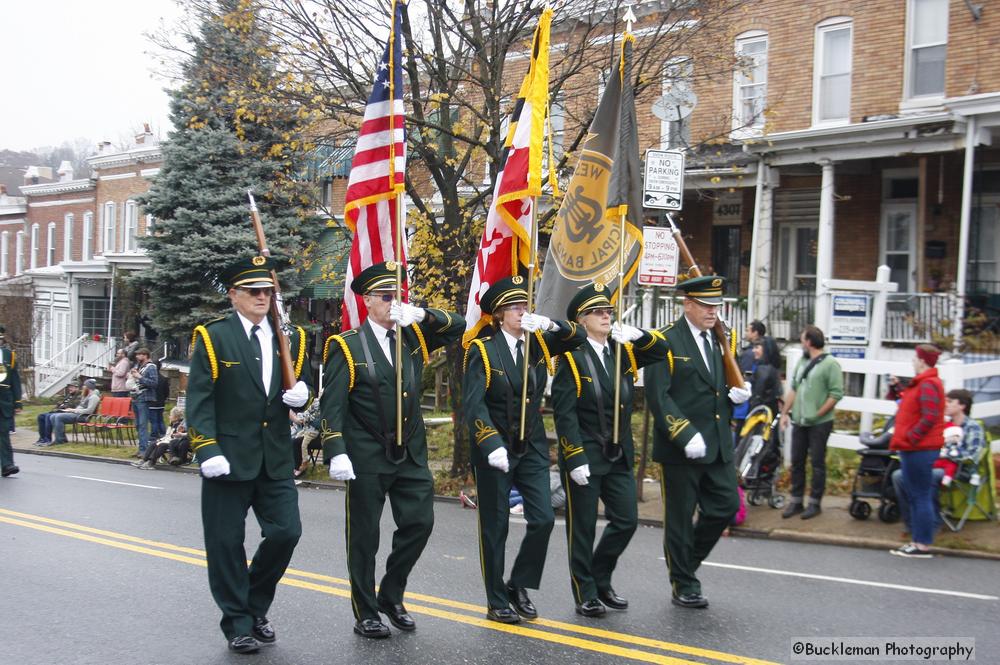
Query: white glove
{"type": "Point", "coordinates": [740, 395]}
{"type": "Point", "coordinates": [215, 466]}
{"type": "Point", "coordinates": [580, 474]}
{"type": "Point", "coordinates": [341, 468]}
{"type": "Point", "coordinates": [696, 448]}
{"type": "Point", "coordinates": [406, 314]}
{"type": "Point", "coordinates": [498, 459]}
{"type": "Point", "coordinates": [952, 434]}
{"type": "Point", "coordinates": [624, 333]}
{"type": "Point", "coordinates": [297, 396]}
{"type": "Point", "coordinates": [532, 322]}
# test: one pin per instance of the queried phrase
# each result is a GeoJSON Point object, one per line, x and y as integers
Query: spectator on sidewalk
{"type": "Point", "coordinates": [918, 437]}
{"type": "Point", "coordinates": [71, 400]}
{"type": "Point", "coordinates": [817, 384]}
{"type": "Point", "coordinates": [157, 428]}
{"type": "Point", "coordinates": [89, 402]}
{"type": "Point", "coordinates": [165, 443]}
{"type": "Point", "coordinates": [304, 432]}
{"type": "Point", "coordinates": [119, 374]}
{"type": "Point", "coordinates": [131, 345]}
{"type": "Point", "coordinates": [143, 396]}
{"type": "Point", "coordinates": [754, 333]}
{"type": "Point", "coordinates": [766, 378]}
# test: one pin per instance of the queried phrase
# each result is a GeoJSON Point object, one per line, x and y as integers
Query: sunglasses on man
{"type": "Point", "coordinates": [255, 291]}
{"type": "Point", "coordinates": [384, 297]}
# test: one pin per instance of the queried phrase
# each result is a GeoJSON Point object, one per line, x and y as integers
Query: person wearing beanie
{"type": "Point", "coordinates": [917, 438]}
{"type": "Point", "coordinates": [88, 405]}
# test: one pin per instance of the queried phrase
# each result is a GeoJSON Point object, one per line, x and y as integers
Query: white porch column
{"type": "Point", "coordinates": [759, 283]}
{"type": "Point", "coordinates": [965, 221]}
{"type": "Point", "coordinates": [824, 251]}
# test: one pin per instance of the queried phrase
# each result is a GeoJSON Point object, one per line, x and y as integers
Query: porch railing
{"type": "Point", "coordinates": [63, 367]}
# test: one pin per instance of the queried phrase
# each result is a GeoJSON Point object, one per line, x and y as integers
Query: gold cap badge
{"type": "Point", "coordinates": [516, 279]}
{"type": "Point", "coordinates": [259, 260]}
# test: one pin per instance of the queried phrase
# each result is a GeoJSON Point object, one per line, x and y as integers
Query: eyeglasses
{"type": "Point", "coordinates": [384, 297]}
{"type": "Point", "coordinates": [258, 290]}
{"type": "Point", "coordinates": [516, 307]}
{"type": "Point", "coordinates": [600, 311]}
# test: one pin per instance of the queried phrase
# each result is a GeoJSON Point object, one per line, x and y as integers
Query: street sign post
{"type": "Point", "coordinates": [658, 265]}
{"type": "Point", "coordinates": [663, 181]}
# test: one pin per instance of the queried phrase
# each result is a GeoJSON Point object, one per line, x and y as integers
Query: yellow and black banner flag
{"type": "Point", "coordinates": [606, 183]}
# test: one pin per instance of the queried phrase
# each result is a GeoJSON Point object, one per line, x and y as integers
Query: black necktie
{"type": "Point", "coordinates": [391, 337]}
{"type": "Point", "coordinates": [258, 353]}
{"type": "Point", "coordinates": [519, 355]}
{"type": "Point", "coordinates": [609, 366]}
{"type": "Point", "coordinates": [707, 343]}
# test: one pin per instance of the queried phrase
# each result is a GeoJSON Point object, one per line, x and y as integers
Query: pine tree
{"type": "Point", "coordinates": [230, 134]}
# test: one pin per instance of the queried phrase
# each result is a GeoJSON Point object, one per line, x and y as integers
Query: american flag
{"type": "Point", "coordinates": [377, 174]}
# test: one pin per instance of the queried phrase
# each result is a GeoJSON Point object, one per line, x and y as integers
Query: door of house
{"type": "Point", "coordinates": [797, 244]}
{"type": "Point", "coordinates": [899, 243]}
{"type": "Point", "coordinates": [984, 249]}
{"type": "Point", "coordinates": [726, 256]}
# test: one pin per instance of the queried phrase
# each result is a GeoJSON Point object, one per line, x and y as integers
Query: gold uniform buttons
{"type": "Point", "coordinates": [265, 423]}
{"type": "Point", "coordinates": [716, 416]}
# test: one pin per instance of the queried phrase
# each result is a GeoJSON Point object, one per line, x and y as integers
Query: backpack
{"type": "Point", "coordinates": [162, 390]}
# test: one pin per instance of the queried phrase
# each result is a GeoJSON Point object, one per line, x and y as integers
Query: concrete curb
{"type": "Point", "coordinates": [788, 535]}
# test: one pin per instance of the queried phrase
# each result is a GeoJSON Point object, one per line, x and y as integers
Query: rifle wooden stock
{"type": "Point", "coordinates": [734, 377]}
{"type": "Point", "coordinates": [278, 321]}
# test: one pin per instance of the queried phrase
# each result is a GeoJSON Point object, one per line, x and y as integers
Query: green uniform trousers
{"type": "Point", "coordinates": [531, 477]}
{"type": "Point", "coordinates": [711, 488]}
{"type": "Point", "coordinates": [411, 495]}
{"type": "Point", "coordinates": [590, 568]}
{"type": "Point", "coordinates": [245, 593]}
{"type": "Point", "coordinates": [6, 450]}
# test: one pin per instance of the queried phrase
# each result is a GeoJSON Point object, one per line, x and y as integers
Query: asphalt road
{"type": "Point", "coordinates": [102, 563]}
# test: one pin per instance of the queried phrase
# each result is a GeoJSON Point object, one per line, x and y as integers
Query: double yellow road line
{"type": "Point", "coordinates": [565, 634]}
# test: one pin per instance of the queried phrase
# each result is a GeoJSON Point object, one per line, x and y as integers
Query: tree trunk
{"type": "Point", "coordinates": [460, 464]}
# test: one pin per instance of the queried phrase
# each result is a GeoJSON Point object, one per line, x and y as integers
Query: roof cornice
{"type": "Point", "coordinates": [134, 156]}
{"type": "Point", "coordinates": [47, 188]}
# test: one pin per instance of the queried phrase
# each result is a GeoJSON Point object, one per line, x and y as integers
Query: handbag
{"type": "Point", "coordinates": [132, 384]}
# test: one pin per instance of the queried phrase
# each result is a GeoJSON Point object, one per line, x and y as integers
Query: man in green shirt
{"type": "Point", "coordinates": [817, 384]}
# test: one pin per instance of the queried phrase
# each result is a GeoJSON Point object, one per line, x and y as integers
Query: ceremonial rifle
{"type": "Point", "coordinates": [734, 376]}
{"type": "Point", "coordinates": [279, 317]}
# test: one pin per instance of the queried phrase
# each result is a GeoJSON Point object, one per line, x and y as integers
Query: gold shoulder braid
{"type": "Point", "coordinates": [347, 356]}
{"type": "Point", "coordinates": [732, 342]}
{"type": "Point", "coordinates": [670, 361]}
{"type": "Point", "coordinates": [545, 352]}
{"type": "Point", "coordinates": [302, 352]}
{"type": "Point", "coordinates": [478, 343]}
{"type": "Point", "coordinates": [202, 331]}
{"type": "Point", "coordinates": [576, 373]}
{"type": "Point", "coordinates": [631, 359]}
{"type": "Point", "coordinates": [423, 343]}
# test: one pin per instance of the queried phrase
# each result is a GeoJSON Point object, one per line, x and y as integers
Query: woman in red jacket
{"type": "Point", "coordinates": [918, 437]}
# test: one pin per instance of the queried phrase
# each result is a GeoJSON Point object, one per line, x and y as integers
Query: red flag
{"type": "Point", "coordinates": [377, 175]}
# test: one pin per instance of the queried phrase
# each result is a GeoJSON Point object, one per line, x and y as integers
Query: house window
{"type": "Point", "coordinates": [832, 71]}
{"type": "Point", "coordinates": [984, 245]}
{"type": "Point", "coordinates": [750, 81]}
{"type": "Point", "coordinates": [4, 248]}
{"type": "Point", "coordinates": [33, 258]}
{"type": "Point", "coordinates": [88, 232]}
{"type": "Point", "coordinates": [150, 222]}
{"type": "Point", "coordinates": [131, 226]}
{"type": "Point", "coordinates": [109, 227]}
{"type": "Point", "coordinates": [926, 43]}
{"type": "Point", "coordinates": [50, 245]}
{"type": "Point", "coordinates": [677, 87]}
{"type": "Point", "coordinates": [19, 253]}
{"type": "Point", "coordinates": [93, 315]}
{"type": "Point", "coordinates": [68, 238]}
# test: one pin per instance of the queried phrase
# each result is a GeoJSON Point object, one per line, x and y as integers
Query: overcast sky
{"type": "Point", "coordinates": [80, 70]}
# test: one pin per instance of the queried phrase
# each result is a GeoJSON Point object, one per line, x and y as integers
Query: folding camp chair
{"type": "Point", "coordinates": [972, 493]}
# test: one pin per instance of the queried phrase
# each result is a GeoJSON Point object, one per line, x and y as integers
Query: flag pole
{"type": "Point", "coordinates": [521, 443]}
{"type": "Point", "coordinates": [398, 235]}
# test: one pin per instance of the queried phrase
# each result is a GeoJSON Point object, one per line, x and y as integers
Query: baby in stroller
{"type": "Point", "coordinates": [873, 477]}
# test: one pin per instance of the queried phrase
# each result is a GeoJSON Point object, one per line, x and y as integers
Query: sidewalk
{"type": "Point", "coordinates": [834, 526]}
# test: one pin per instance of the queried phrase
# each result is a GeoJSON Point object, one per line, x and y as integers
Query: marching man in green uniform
{"type": "Point", "coordinates": [583, 395]}
{"type": "Point", "coordinates": [358, 429]}
{"type": "Point", "coordinates": [238, 426]}
{"type": "Point", "coordinates": [10, 404]}
{"type": "Point", "coordinates": [692, 441]}
{"type": "Point", "coordinates": [500, 454]}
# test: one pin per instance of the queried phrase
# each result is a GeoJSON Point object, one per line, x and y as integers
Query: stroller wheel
{"type": "Point", "coordinates": [888, 512]}
{"type": "Point", "coordinates": [776, 500]}
{"type": "Point", "coordinates": [860, 510]}
{"type": "Point", "coordinates": [754, 498]}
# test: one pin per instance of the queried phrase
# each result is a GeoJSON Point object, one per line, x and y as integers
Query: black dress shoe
{"type": "Point", "coordinates": [591, 608]}
{"type": "Point", "coordinates": [502, 615]}
{"type": "Point", "coordinates": [519, 599]}
{"type": "Point", "coordinates": [612, 599]}
{"type": "Point", "coordinates": [689, 600]}
{"type": "Point", "coordinates": [244, 644]}
{"type": "Point", "coordinates": [792, 510]}
{"type": "Point", "coordinates": [263, 631]}
{"type": "Point", "coordinates": [398, 616]}
{"type": "Point", "coordinates": [9, 470]}
{"type": "Point", "coordinates": [371, 628]}
{"type": "Point", "coordinates": [812, 511]}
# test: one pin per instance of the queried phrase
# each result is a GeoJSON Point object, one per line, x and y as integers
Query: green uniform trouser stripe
{"type": "Point", "coordinates": [591, 568]}
{"type": "Point", "coordinates": [531, 476]}
{"type": "Point", "coordinates": [410, 489]}
{"type": "Point", "coordinates": [711, 488]}
{"type": "Point", "coordinates": [6, 450]}
{"type": "Point", "coordinates": [243, 593]}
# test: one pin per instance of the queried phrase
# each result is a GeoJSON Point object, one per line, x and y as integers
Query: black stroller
{"type": "Point", "coordinates": [758, 457]}
{"type": "Point", "coordinates": [873, 478]}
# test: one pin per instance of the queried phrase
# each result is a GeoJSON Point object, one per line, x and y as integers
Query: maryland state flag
{"type": "Point", "coordinates": [505, 245]}
{"type": "Point", "coordinates": [607, 182]}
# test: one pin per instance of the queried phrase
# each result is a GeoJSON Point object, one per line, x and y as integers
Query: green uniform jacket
{"type": "Point", "coordinates": [349, 408]}
{"type": "Point", "coordinates": [492, 405]}
{"type": "Point", "coordinates": [684, 399]}
{"type": "Point", "coordinates": [228, 413]}
{"type": "Point", "coordinates": [10, 383]}
{"type": "Point", "coordinates": [575, 402]}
